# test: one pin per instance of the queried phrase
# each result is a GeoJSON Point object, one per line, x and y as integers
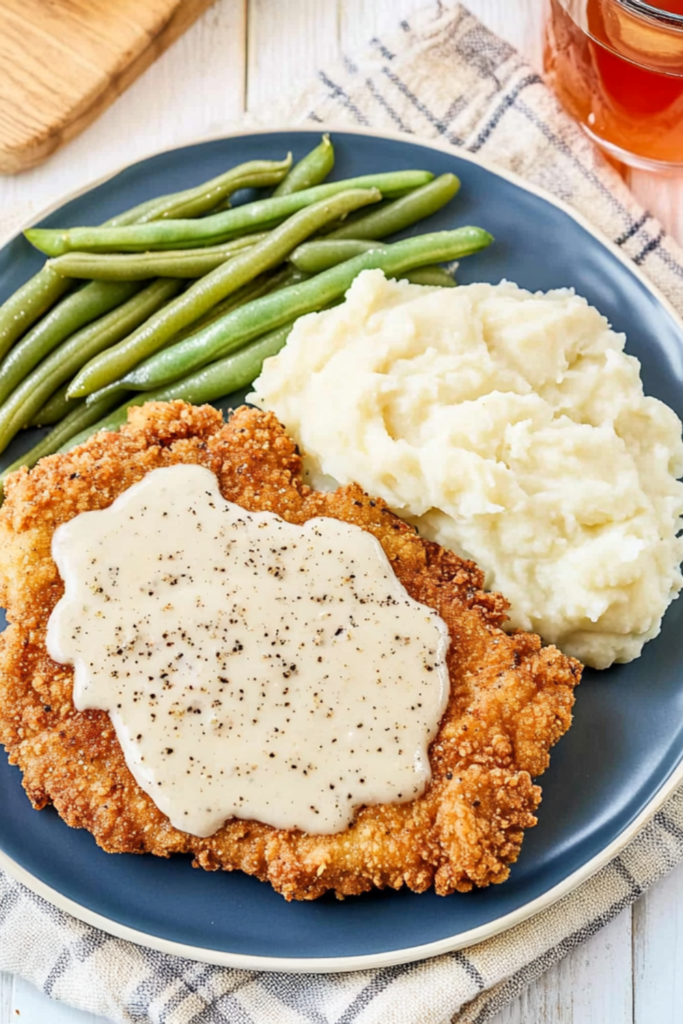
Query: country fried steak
{"type": "Point", "coordinates": [510, 698]}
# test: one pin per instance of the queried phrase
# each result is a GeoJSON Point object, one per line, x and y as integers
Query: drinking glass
{"type": "Point", "coordinates": [617, 67]}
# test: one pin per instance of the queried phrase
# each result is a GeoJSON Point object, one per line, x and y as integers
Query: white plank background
{"type": "Point", "coordinates": [239, 56]}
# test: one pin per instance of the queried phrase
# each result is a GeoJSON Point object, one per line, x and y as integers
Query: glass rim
{"type": "Point", "coordinates": [651, 11]}
{"type": "Point", "coordinates": [671, 24]}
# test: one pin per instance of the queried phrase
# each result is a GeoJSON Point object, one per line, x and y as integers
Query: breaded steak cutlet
{"type": "Point", "coordinates": [510, 698]}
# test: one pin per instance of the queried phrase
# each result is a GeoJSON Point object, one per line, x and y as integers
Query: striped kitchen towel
{"type": "Point", "coordinates": [442, 76]}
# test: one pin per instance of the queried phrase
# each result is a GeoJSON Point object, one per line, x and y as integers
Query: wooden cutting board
{"type": "Point", "coordinates": [62, 62]}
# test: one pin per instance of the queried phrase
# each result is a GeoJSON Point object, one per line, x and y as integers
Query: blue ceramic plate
{"type": "Point", "coordinates": [621, 758]}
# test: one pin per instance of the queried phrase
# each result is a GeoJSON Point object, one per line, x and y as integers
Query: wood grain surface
{"type": "Point", "coordinates": [63, 62]}
{"type": "Point", "coordinates": [240, 55]}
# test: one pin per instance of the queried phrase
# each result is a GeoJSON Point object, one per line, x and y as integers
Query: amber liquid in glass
{"type": "Point", "coordinates": [621, 76]}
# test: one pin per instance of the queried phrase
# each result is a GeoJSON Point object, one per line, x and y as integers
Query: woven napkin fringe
{"type": "Point", "coordinates": [445, 77]}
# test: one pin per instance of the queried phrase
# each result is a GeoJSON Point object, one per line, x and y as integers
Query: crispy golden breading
{"type": "Point", "coordinates": [510, 698]}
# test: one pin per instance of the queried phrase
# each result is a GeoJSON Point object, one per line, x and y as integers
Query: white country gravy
{"type": "Point", "coordinates": [251, 667]}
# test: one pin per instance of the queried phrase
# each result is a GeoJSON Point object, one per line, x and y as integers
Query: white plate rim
{"type": "Point", "coordinates": [335, 965]}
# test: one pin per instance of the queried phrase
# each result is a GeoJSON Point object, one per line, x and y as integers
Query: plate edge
{"type": "Point", "coordinates": [367, 961]}
{"type": "Point", "coordinates": [330, 126]}
{"type": "Point", "coordinates": [462, 940]}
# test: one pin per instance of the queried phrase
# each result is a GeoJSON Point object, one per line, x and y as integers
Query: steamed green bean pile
{"type": "Point", "coordinates": [185, 295]}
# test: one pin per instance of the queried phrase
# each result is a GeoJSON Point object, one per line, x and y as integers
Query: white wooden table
{"type": "Point", "coordinates": [240, 55]}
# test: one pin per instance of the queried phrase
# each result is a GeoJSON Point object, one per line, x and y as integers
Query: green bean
{"type": "Point", "coordinates": [220, 227]}
{"type": "Point", "coordinates": [41, 291]}
{"type": "Point", "coordinates": [395, 214]}
{"type": "Point", "coordinates": [33, 299]}
{"type": "Point", "coordinates": [262, 285]}
{"type": "Point", "coordinates": [323, 253]}
{"type": "Point", "coordinates": [214, 381]}
{"type": "Point", "coordinates": [54, 410]}
{"type": "Point", "coordinates": [141, 266]}
{"type": "Point", "coordinates": [205, 293]}
{"type": "Point", "coordinates": [71, 425]}
{"type": "Point", "coordinates": [271, 311]}
{"type": "Point", "coordinates": [433, 275]}
{"type": "Point", "coordinates": [225, 375]}
{"type": "Point", "coordinates": [309, 171]}
{"type": "Point", "coordinates": [27, 304]}
{"type": "Point", "coordinates": [42, 382]}
{"type": "Point", "coordinates": [401, 213]}
{"type": "Point", "coordinates": [225, 204]}
{"type": "Point", "coordinates": [287, 278]}
{"type": "Point", "coordinates": [192, 202]}
{"type": "Point", "coordinates": [74, 312]}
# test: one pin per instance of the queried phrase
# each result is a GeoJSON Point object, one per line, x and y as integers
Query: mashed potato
{"type": "Point", "coordinates": [510, 427]}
